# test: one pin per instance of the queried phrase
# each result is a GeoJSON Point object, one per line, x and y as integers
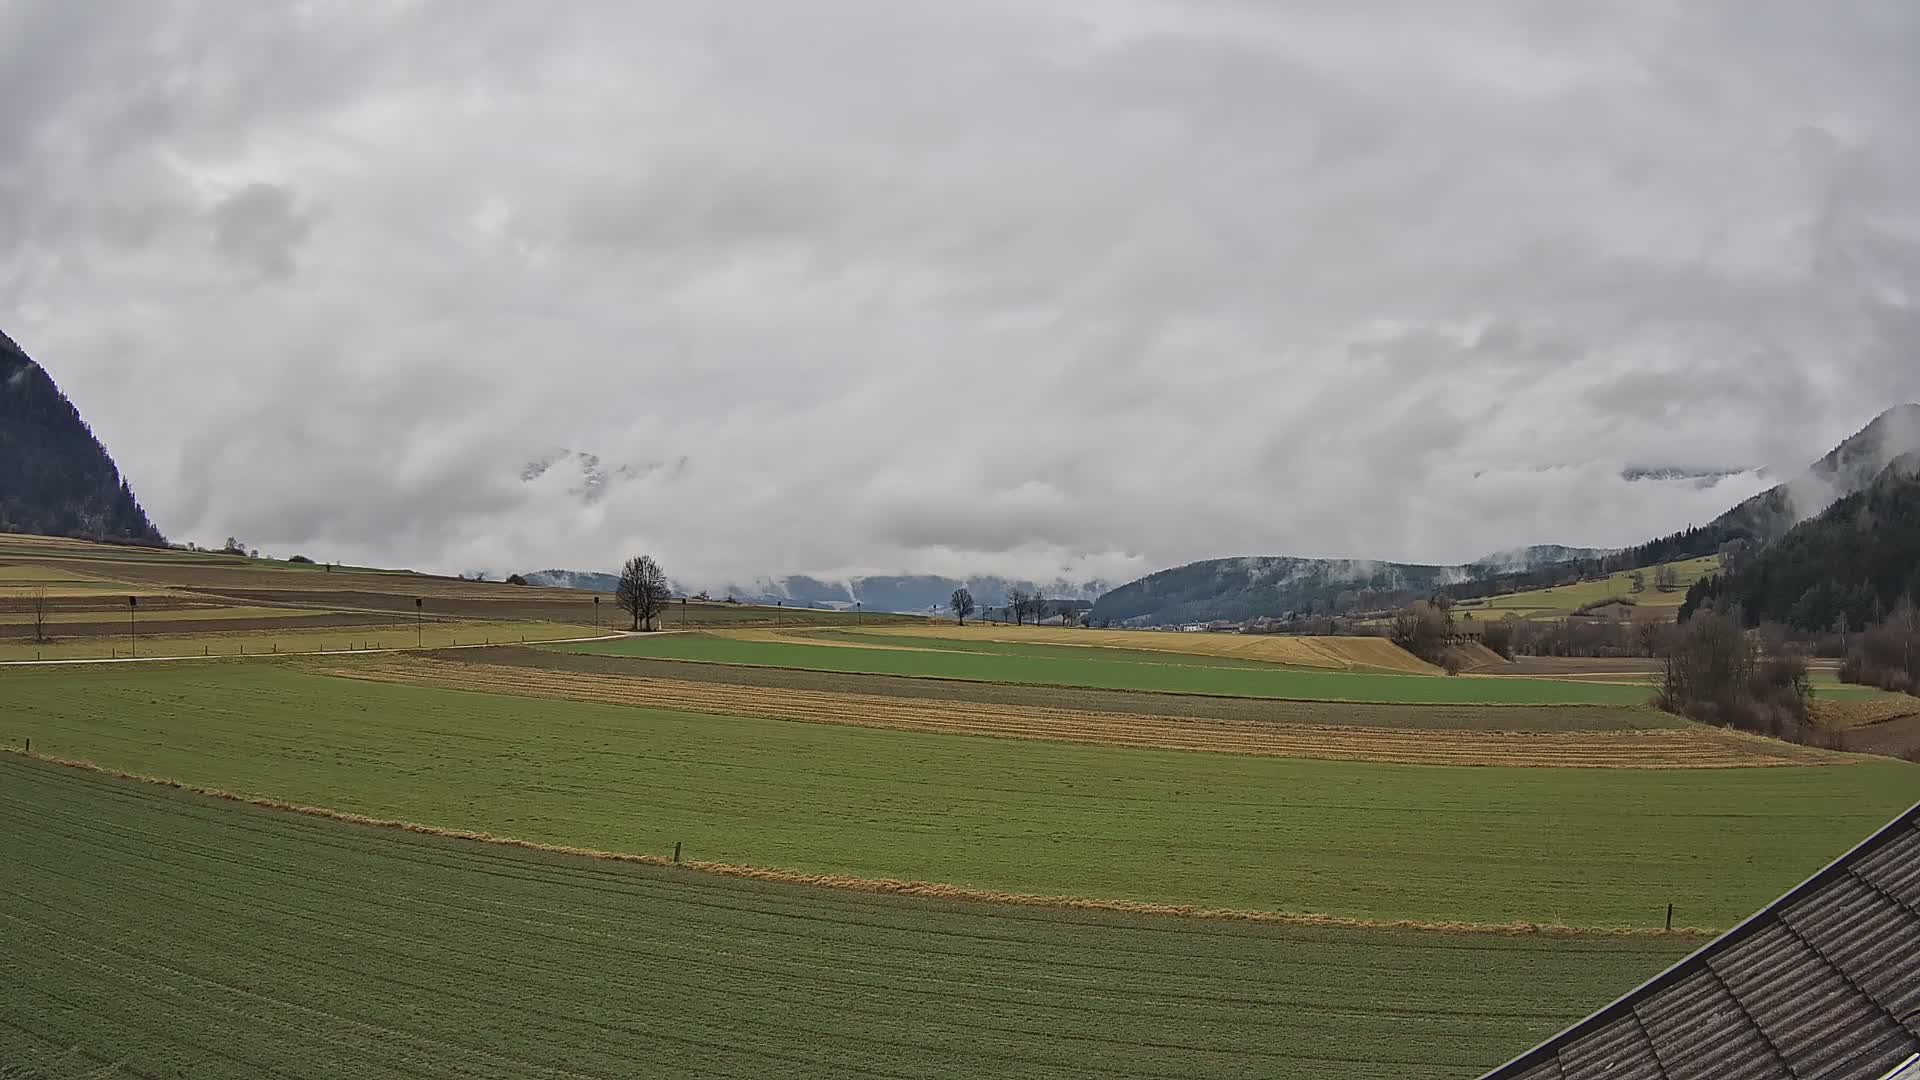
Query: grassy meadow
{"type": "Point", "coordinates": [1561, 601]}
{"type": "Point", "coordinates": [1596, 847]}
{"type": "Point", "coordinates": [185, 936]}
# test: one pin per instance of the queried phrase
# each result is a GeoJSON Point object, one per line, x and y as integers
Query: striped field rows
{"type": "Point", "coordinates": [1690, 747]}
{"type": "Point", "coordinates": [173, 935]}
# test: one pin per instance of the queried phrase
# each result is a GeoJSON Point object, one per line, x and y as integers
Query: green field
{"type": "Point", "coordinates": [1590, 847]}
{"type": "Point", "coordinates": [1563, 600]}
{"type": "Point", "coordinates": [1103, 653]}
{"type": "Point", "coordinates": [1169, 673]}
{"type": "Point", "coordinates": [193, 938]}
{"type": "Point", "coordinates": [149, 931]}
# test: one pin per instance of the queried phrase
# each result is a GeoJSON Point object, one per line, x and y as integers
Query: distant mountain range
{"type": "Point", "coordinates": [909, 593]}
{"type": "Point", "coordinates": [573, 579]}
{"type": "Point", "coordinates": [55, 477]}
{"type": "Point", "coordinates": [1532, 558]}
{"type": "Point", "coordinates": [1248, 587]}
{"type": "Point", "coordinates": [1254, 586]}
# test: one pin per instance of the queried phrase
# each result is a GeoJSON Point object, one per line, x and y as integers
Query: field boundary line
{"type": "Point", "coordinates": [1052, 686]}
{"type": "Point", "coordinates": [324, 652]}
{"type": "Point", "coordinates": [931, 890]}
{"type": "Point", "coordinates": [1695, 747]}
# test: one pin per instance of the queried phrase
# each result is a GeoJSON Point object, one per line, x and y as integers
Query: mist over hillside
{"type": "Point", "coordinates": [905, 593]}
{"type": "Point", "coordinates": [1249, 587]}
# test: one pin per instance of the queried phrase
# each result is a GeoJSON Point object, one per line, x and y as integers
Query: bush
{"type": "Point", "coordinates": [1887, 655]}
{"type": "Point", "coordinates": [1605, 601]}
{"type": "Point", "coordinates": [299, 559]}
{"type": "Point", "coordinates": [1423, 630]}
{"type": "Point", "coordinates": [1498, 636]}
{"type": "Point", "coordinates": [1716, 674]}
{"type": "Point", "coordinates": [516, 579]}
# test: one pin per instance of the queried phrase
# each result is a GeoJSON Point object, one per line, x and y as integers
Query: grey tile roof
{"type": "Point", "coordinates": [1824, 984]}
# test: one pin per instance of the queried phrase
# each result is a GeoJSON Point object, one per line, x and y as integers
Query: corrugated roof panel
{"type": "Point", "coordinates": [1872, 1058]}
{"type": "Point", "coordinates": [1896, 867]}
{"type": "Point", "coordinates": [1869, 936]}
{"type": "Point", "coordinates": [1823, 984]}
{"type": "Point", "coordinates": [1698, 1028]}
{"type": "Point", "coordinates": [1618, 1052]}
{"type": "Point", "coordinates": [1799, 1001]}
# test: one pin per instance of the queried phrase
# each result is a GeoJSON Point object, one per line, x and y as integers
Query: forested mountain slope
{"type": "Point", "coordinates": [55, 477]}
{"type": "Point", "coordinates": [1855, 561]}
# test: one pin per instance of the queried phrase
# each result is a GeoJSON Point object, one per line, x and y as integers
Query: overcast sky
{"type": "Point", "coordinates": [1077, 288]}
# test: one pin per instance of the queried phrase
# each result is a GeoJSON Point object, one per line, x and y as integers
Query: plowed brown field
{"type": "Point", "coordinates": [1692, 747]}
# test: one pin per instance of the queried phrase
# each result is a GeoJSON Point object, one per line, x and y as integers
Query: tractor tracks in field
{"type": "Point", "coordinates": [930, 890]}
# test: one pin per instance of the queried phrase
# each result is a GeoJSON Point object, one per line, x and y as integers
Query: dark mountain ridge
{"type": "Point", "coordinates": [1249, 587]}
{"type": "Point", "coordinates": [1841, 570]}
{"type": "Point", "coordinates": [55, 477]}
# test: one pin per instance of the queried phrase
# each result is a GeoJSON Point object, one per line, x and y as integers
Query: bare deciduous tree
{"type": "Point", "coordinates": [962, 604]}
{"type": "Point", "coordinates": [643, 592]}
{"type": "Point", "coordinates": [1666, 578]}
{"type": "Point", "coordinates": [39, 603]}
{"type": "Point", "coordinates": [1017, 605]}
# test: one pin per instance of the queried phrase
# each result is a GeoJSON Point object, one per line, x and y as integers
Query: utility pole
{"type": "Point", "coordinates": [133, 646]}
{"type": "Point", "coordinates": [596, 613]}
{"type": "Point", "coordinates": [419, 623]}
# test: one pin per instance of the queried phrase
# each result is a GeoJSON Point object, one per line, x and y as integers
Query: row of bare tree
{"type": "Point", "coordinates": [1021, 606]}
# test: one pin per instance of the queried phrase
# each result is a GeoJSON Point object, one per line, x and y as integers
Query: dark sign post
{"type": "Point", "coordinates": [133, 645]}
{"type": "Point", "coordinates": [419, 623]}
{"type": "Point", "coordinates": [596, 613]}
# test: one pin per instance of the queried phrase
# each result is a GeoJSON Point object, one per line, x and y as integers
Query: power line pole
{"type": "Point", "coordinates": [419, 623]}
{"type": "Point", "coordinates": [133, 645]}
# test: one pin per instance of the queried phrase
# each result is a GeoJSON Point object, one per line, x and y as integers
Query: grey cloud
{"type": "Point", "coordinates": [1070, 288]}
{"type": "Point", "coordinates": [258, 227]}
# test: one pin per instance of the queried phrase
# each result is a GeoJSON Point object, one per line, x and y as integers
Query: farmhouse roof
{"type": "Point", "coordinates": [1823, 984]}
